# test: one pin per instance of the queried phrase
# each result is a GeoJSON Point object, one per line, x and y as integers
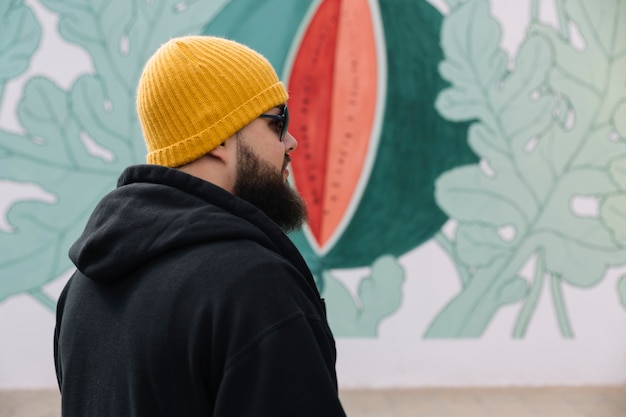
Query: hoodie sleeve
{"type": "Point", "coordinates": [287, 371]}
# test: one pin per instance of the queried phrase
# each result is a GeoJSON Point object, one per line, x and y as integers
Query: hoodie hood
{"type": "Point", "coordinates": [155, 210]}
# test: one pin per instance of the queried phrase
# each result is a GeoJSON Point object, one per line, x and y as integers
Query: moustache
{"type": "Point", "coordinates": [286, 161]}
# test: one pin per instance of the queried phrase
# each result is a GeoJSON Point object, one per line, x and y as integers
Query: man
{"type": "Point", "coordinates": [189, 299]}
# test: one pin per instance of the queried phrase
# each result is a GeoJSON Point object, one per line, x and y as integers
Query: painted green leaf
{"type": "Point", "coordinates": [559, 217]}
{"type": "Point", "coordinates": [512, 291]}
{"type": "Point", "coordinates": [614, 217]}
{"type": "Point", "coordinates": [619, 120]}
{"type": "Point", "coordinates": [77, 142]}
{"type": "Point", "coordinates": [600, 148]}
{"type": "Point", "coordinates": [578, 248]}
{"type": "Point", "coordinates": [470, 30]}
{"type": "Point", "coordinates": [468, 195]}
{"type": "Point", "coordinates": [42, 231]}
{"type": "Point", "coordinates": [604, 54]}
{"type": "Point", "coordinates": [21, 262]}
{"type": "Point", "coordinates": [381, 292]}
{"type": "Point", "coordinates": [591, 80]}
{"type": "Point", "coordinates": [379, 295]}
{"type": "Point", "coordinates": [120, 36]}
{"type": "Point", "coordinates": [477, 245]}
{"type": "Point", "coordinates": [19, 38]}
{"type": "Point", "coordinates": [495, 193]}
{"type": "Point", "coordinates": [544, 135]}
{"type": "Point", "coordinates": [101, 118]}
{"type": "Point", "coordinates": [617, 171]}
{"type": "Point", "coordinates": [45, 113]}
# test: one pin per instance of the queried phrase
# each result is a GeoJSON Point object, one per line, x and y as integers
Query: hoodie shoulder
{"type": "Point", "coordinates": [152, 211]}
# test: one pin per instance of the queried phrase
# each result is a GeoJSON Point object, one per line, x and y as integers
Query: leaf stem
{"type": "Point", "coordinates": [534, 11]}
{"type": "Point", "coordinates": [563, 24]}
{"type": "Point", "coordinates": [530, 305]}
{"type": "Point", "coordinates": [559, 306]}
{"type": "Point", "coordinates": [446, 245]}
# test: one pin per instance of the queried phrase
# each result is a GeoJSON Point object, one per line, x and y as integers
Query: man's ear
{"type": "Point", "coordinates": [226, 150]}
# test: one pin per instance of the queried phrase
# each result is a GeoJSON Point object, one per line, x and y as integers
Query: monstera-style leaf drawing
{"type": "Point", "coordinates": [549, 187]}
{"type": "Point", "coordinates": [19, 37]}
{"type": "Point", "coordinates": [76, 142]}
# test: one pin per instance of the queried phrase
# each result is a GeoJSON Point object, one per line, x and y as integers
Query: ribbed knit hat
{"type": "Point", "coordinates": [197, 91]}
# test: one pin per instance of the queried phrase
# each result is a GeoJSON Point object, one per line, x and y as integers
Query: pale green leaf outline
{"type": "Point", "coordinates": [563, 149]}
{"type": "Point", "coordinates": [20, 35]}
{"type": "Point", "coordinates": [119, 37]}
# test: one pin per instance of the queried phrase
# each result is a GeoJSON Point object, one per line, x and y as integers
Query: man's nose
{"type": "Point", "coordinates": [290, 142]}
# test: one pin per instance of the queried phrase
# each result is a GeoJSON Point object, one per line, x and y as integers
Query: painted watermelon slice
{"type": "Point", "coordinates": [334, 90]}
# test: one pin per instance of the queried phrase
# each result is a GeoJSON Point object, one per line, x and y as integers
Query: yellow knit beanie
{"type": "Point", "coordinates": [197, 91]}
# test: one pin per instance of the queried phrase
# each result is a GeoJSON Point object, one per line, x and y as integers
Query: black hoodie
{"type": "Point", "coordinates": [188, 301]}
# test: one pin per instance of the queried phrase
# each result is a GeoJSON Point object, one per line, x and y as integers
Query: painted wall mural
{"type": "Point", "coordinates": [414, 126]}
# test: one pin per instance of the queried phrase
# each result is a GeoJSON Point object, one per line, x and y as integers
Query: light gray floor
{"type": "Point", "coordinates": [470, 402]}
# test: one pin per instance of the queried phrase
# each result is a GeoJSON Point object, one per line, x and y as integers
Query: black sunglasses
{"type": "Point", "coordinates": [282, 119]}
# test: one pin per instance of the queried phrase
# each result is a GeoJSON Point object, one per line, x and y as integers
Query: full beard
{"type": "Point", "coordinates": [259, 184]}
